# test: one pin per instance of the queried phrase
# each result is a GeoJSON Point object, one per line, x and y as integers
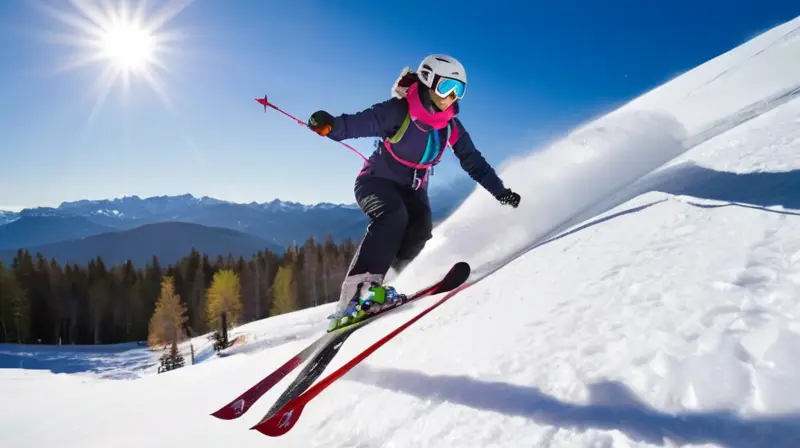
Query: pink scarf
{"type": "Point", "coordinates": [417, 112]}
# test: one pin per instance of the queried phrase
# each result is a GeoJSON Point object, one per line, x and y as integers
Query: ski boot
{"type": "Point", "coordinates": [370, 298]}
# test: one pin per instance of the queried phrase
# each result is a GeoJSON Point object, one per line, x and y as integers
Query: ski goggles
{"type": "Point", "coordinates": [447, 86]}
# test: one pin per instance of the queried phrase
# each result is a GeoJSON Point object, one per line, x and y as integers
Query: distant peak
{"type": "Point", "coordinates": [110, 205]}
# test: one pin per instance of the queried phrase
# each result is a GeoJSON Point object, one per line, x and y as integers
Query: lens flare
{"type": "Point", "coordinates": [125, 42]}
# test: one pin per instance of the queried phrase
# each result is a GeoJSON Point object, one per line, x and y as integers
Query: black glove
{"type": "Point", "coordinates": [508, 197]}
{"type": "Point", "coordinates": [321, 122]}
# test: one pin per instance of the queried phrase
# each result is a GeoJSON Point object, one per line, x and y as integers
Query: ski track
{"type": "Point", "coordinates": [646, 294]}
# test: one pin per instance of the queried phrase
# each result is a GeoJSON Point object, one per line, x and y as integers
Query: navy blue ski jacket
{"type": "Point", "coordinates": [407, 162]}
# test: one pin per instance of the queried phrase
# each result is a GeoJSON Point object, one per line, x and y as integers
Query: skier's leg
{"type": "Point", "coordinates": [381, 201]}
{"type": "Point", "coordinates": [418, 231]}
{"type": "Point", "coordinates": [384, 204]}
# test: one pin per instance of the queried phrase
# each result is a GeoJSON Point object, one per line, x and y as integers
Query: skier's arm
{"type": "Point", "coordinates": [474, 164]}
{"type": "Point", "coordinates": [379, 120]}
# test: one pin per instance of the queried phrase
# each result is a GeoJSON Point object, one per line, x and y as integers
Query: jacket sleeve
{"type": "Point", "coordinates": [379, 120]}
{"type": "Point", "coordinates": [474, 164]}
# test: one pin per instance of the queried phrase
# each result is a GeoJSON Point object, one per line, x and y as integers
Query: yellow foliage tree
{"type": "Point", "coordinates": [166, 324]}
{"type": "Point", "coordinates": [224, 297]}
{"type": "Point", "coordinates": [284, 300]}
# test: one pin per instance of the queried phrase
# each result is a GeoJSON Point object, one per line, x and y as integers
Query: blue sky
{"type": "Point", "coordinates": [535, 68]}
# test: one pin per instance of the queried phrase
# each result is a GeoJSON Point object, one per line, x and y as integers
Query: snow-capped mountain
{"type": "Point", "coordinates": [135, 208]}
{"type": "Point", "coordinates": [280, 222]}
{"type": "Point", "coordinates": [7, 217]}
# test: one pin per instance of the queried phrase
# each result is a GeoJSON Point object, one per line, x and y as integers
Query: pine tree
{"type": "Point", "coordinates": [79, 287]}
{"type": "Point", "coordinates": [166, 324]}
{"type": "Point", "coordinates": [61, 302]}
{"type": "Point", "coordinates": [152, 283]}
{"type": "Point", "coordinates": [284, 300]}
{"type": "Point", "coordinates": [195, 297]}
{"type": "Point", "coordinates": [198, 298]}
{"type": "Point", "coordinates": [132, 307]}
{"type": "Point", "coordinates": [312, 271]}
{"type": "Point", "coordinates": [270, 262]}
{"type": "Point", "coordinates": [14, 309]}
{"type": "Point", "coordinates": [224, 298]}
{"type": "Point", "coordinates": [98, 298]}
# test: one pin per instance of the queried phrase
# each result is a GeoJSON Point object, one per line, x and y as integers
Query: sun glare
{"type": "Point", "coordinates": [129, 48]}
{"type": "Point", "coordinates": [124, 41]}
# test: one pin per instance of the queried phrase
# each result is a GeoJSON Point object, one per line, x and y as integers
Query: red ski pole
{"type": "Point", "coordinates": [266, 103]}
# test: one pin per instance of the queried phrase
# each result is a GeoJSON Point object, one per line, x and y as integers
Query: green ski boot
{"type": "Point", "coordinates": [365, 302]}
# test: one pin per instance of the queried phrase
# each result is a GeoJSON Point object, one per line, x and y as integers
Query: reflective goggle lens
{"type": "Point", "coordinates": [447, 85]}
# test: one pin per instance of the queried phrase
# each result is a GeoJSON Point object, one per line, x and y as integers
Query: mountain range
{"type": "Point", "coordinates": [169, 241]}
{"type": "Point", "coordinates": [125, 228]}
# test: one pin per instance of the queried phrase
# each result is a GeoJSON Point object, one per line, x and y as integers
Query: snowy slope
{"type": "Point", "coordinates": [645, 293]}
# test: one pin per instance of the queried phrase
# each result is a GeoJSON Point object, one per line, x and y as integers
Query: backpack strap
{"type": "Point", "coordinates": [401, 131]}
{"type": "Point", "coordinates": [452, 137]}
{"type": "Point", "coordinates": [452, 133]}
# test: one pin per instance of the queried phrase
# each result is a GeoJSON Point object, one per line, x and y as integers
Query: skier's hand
{"type": "Point", "coordinates": [508, 197]}
{"type": "Point", "coordinates": [321, 122]}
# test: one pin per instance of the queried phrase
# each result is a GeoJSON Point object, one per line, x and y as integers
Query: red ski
{"type": "Point", "coordinates": [280, 422]}
{"type": "Point", "coordinates": [323, 350]}
{"type": "Point", "coordinates": [239, 405]}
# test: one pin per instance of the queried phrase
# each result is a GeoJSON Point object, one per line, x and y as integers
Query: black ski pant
{"type": "Point", "coordinates": [400, 225]}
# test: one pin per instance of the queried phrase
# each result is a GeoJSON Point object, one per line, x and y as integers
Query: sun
{"type": "Point", "coordinates": [128, 47]}
{"type": "Point", "coordinates": [123, 41]}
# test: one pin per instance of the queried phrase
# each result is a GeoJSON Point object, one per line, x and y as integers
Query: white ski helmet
{"type": "Point", "coordinates": [440, 65]}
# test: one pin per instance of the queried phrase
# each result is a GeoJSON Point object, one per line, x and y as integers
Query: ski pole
{"type": "Point", "coordinates": [266, 103]}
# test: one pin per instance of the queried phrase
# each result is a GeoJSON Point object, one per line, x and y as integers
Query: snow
{"type": "Point", "coordinates": [123, 361]}
{"type": "Point", "coordinates": [646, 293]}
{"type": "Point", "coordinates": [7, 216]}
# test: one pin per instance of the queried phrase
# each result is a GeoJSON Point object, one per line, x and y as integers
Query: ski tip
{"type": "Point", "coordinates": [462, 265]}
{"type": "Point", "coordinates": [227, 413]}
{"type": "Point", "coordinates": [280, 423]}
{"type": "Point", "coordinates": [220, 414]}
{"type": "Point", "coordinates": [461, 269]}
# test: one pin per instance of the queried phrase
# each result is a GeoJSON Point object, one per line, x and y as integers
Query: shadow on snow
{"type": "Point", "coordinates": [611, 406]}
{"type": "Point", "coordinates": [758, 189]}
{"type": "Point", "coordinates": [117, 361]}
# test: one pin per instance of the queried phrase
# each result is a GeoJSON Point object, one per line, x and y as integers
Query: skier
{"type": "Point", "coordinates": [415, 127]}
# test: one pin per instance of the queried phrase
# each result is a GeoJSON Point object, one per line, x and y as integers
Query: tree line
{"type": "Point", "coordinates": [42, 301]}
